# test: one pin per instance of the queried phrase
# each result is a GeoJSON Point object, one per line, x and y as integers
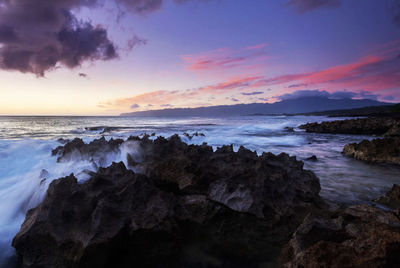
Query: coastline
{"type": "Point", "coordinates": [176, 186]}
{"type": "Point", "coordinates": [196, 137]}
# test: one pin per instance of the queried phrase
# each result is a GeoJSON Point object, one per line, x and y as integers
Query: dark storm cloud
{"type": "Point", "coordinates": [37, 36]}
{"type": "Point", "coordinates": [40, 35]}
{"type": "Point", "coordinates": [302, 6]}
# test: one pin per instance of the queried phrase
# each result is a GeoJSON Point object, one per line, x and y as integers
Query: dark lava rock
{"type": "Point", "coordinates": [191, 207]}
{"type": "Point", "coordinates": [77, 149]}
{"type": "Point", "coordinates": [312, 158]}
{"type": "Point", "coordinates": [391, 199]}
{"type": "Point", "coordinates": [196, 134]}
{"type": "Point", "coordinates": [63, 141]}
{"type": "Point", "coordinates": [377, 150]}
{"type": "Point", "coordinates": [358, 236]}
{"type": "Point", "coordinates": [362, 126]}
{"type": "Point", "coordinates": [289, 129]}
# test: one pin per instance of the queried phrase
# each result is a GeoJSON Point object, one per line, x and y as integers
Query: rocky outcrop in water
{"type": "Point", "coordinates": [377, 150]}
{"type": "Point", "coordinates": [358, 236]}
{"type": "Point", "coordinates": [77, 149]}
{"type": "Point", "coordinates": [190, 207]}
{"type": "Point", "coordinates": [391, 199]}
{"type": "Point", "coordinates": [362, 126]}
{"type": "Point", "coordinates": [195, 134]}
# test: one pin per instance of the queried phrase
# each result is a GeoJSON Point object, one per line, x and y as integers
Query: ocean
{"type": "Point", "coordinates": [26, 143]}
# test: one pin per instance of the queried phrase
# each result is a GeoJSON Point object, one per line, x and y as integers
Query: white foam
{"type": "Point", "coordinates": [23, 186]}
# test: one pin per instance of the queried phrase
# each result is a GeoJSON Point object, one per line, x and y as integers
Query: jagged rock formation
{"type": "Point", "coordinates": [189, 207]}
{"type": "Point", "coordinates": [391, 199]}
{"type": "Point", "coordinates": [362, 126]}
{"type": "Point", "coordinates": [95, 150]}
{"type": "Point", "coordinates": [358, 236]}
{"type": "Point", "coordinates": [195, 134]}
{"type": "Point", "coordinates": [377, 150]}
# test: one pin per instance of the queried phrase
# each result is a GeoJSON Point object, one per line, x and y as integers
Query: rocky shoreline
{"type": "Point", "coordinates": [389, 127]}
{"type": "Point", "coordinates": [357, 236]}
{"type": "Point", "coordinates": [185, 206]}
{"type": "Point", "coordinates": [179, 205]}
{"type": "Point", "coordinates": [382, 150]}
{"type": "Point", "coordinates": [377, 150]}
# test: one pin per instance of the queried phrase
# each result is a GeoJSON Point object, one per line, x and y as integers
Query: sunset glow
{"type": "Point", "coordinates": [195, 53]}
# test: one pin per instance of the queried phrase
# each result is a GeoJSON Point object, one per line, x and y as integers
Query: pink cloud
{"type": "Point", "coordinates": [225, 58]}
{"type": "Point", "coordinates": [233, 83]}
{"type": "Point", "coordinates": [376, 73]}
{"type": "Point", "coordinates": [256, 47]}
{"type": "Point", "coordinates": [369, 73]}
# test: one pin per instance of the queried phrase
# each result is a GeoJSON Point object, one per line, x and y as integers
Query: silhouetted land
{"type": "Point", "coordinates": [290, 106]}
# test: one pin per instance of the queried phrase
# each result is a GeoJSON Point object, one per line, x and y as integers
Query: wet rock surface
{"type": "Point", "coordinates": [195, 134]}
{"type": "Point", "coordinates": [188, 207]}
{"type": "Point", "coordinates": [391, 199]}
{"type": "Point", "coordinates": [358, 236]}
{"type": "Point", "coordinates": [289, 129]}
{"type": "Point", "coordinates": [377, 150]}
{"type": "Point", "coordinates": [77, 149]}
{"type": "Point", "coordinates": [363, 126]}
{"type": "Point", "coordinates": [312, 158]}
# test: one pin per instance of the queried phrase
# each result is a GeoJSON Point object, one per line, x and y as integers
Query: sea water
{"type": "Point", "coordinates": [27, 166]}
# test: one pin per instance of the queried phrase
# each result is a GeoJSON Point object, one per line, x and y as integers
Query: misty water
{"type": "Point", "coordinates": [27, 167]}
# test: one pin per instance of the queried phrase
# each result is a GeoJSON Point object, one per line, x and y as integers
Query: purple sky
{"type": "Point", "coordinates": [107, 57]}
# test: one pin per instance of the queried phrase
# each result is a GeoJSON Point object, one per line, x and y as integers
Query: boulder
{"type": "Point", "coordinates": [189, 207]}
{"type": "Point", "coordinates": [358, 236]}
{"type": "Point", "coordinates": [378, 150]}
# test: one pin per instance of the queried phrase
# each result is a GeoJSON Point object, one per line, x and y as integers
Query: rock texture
{"type": "Point", "coordinates": [96, 150]}
{"type": "Point", "coordinates": [189, 207]}
{"type": "Point", "coordinates": [358, 236]}
{"type": "Point", "coordinates": [363, 126]}
{"type": "Point", "coordinates": [377, 150]}
{"type": "Point", "coordinates": [391, 199]}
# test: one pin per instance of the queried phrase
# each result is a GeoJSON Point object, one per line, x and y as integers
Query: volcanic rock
{"type": "Point", "coordinates": [196, 134]}
{"type": "Point", "coordinates": [190, 207]}
{"type": "Point", "coordinates": [289, 129]}
{"type": "Point", "coordinates": [391, 199]}
{"type": "Point", "coordinates": [361, 126]}
{"type": "Point", "coordinates": [358, 236]}
{"type": "Point", "coordinates": [77, 149]}
{"type": "Point", "coordinates": [312, 158]}
{"type": "Point", "coordinates": [377, 150]}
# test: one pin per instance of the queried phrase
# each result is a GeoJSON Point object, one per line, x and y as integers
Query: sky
{"type": "Point", "coordinates": [106, 57]}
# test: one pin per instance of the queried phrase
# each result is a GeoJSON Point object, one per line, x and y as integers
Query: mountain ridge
{"type": "Point", "coordinates": [289, 106]}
